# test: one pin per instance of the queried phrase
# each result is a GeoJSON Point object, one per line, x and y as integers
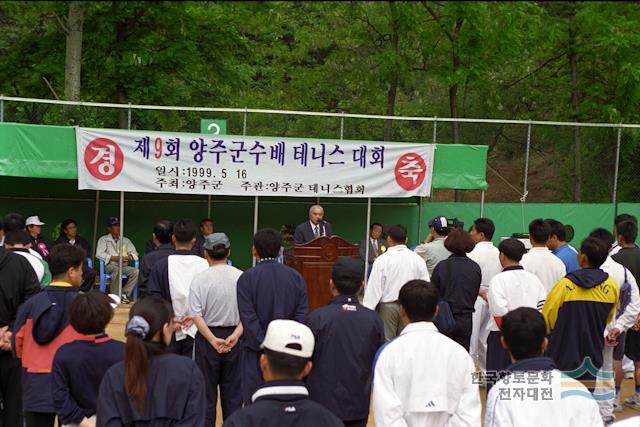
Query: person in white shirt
{"type": "Point", "coordinates": [511, 289]}
{"type": "Point", "coordinates": [107, 251]}
{"type": "Point", "coordinates": [487, 256]}
{"type": "Point", "coordinates": [213, 305]}
{"type": "Point", "coordinates": [171, 278]}
{"type": "Point", "coordinates": [423, 378]}
{"type": "Point", "coordinates": [535, 393]}
{"type": "Point", "coordinates": [390, 271]}
{"type": "Point", "coordinates": [540, 260]}
{"type": "Point", "coordinates": [626, 316]}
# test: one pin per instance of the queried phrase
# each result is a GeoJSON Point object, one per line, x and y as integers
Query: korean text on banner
{"type": "Point", "coordinates": [160, 162]}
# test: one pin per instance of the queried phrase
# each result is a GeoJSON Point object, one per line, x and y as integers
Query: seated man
{"type": "Point", "coordinates": [39, 243]}
{"type": "Point", "coordinates": [315, 227]}
{"type": "Point", "coordinates": [69, 234]}
{"type": "Point", "coordinates": [206, 228]}
{"type": "Point", "coordinates": [547, 396]}
{"type": "Point", "coordinates": [283, 400]}
{"type": "Point", "coordinates": [107, 251]}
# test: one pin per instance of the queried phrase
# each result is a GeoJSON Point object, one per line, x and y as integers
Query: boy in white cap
{"type": "Point", "coordinates": [283, 400]}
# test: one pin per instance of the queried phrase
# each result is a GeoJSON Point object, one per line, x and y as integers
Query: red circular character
{"type": "Point", "coordinates": [410, 171]}
{"type": "Point", "coordinates": [103, 159]}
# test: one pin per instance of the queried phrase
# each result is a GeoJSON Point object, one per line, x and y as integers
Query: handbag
{"type": "Point", "coordinates": [444, 320]}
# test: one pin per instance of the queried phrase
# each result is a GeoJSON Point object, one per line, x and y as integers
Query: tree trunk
{"type": "Point", "coordinates": [121, 93]}
{"type": "Point", "coordinates": [393, 84]}
{"type": "Point", "coordinates": [73, 57]}
{"type": "Point", "coordinates": [575, 105]}
{"type": "Point", "coordinates": [453, 95]}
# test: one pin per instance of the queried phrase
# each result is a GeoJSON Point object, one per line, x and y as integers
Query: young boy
{"type": "Point", "coordinates": [42, 327]}
{"type": "Point", "coordinates": [78, 367]}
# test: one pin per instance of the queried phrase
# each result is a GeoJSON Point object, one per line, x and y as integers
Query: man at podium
{"type": "Point", "coordinates": [315, 227]}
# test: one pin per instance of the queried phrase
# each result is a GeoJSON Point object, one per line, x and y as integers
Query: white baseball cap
{"type": "Point", "coordinates": [289, 337]}
{"type": "Point", "coordinates": [33, 220]}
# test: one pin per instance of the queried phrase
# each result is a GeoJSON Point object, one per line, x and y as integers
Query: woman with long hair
{"type": "Point", "coordinates": [151, 386]}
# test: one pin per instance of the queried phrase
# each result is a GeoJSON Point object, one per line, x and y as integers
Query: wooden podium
{"type": "Point", "coordinates": [314, 260]}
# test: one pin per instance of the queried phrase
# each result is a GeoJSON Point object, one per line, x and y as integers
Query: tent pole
{"type": "Point", "coordinates": [209, 206]}
{"type": "Point", "coordinates": [482, 204]}
{"type": "Point", "coordinates": [366, 240]}
{"type": "Point", "coordinates": [95, 227]}
{"type": "Point", "coordinates": [419, 219]}
{"type": "Point", "coordinates": [255, 221]}
{"type": "Point", "coordinates": [120, 244]}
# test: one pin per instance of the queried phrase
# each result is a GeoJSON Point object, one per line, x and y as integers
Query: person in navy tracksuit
{"type": "Point", "coordinates": [42, 327]}
{"type": "Point", "coordinates": [151, 387]}
{"type": "Point", "coordinates": [283, 400]}
{"type": "Point", "coordinates": [78, 367]}
{"type": "Point", "coordinates": [268, 291]}
{"type": "Point", "coordinates": [347, 335]}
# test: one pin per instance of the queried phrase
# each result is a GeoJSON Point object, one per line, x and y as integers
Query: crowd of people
{"type": "Point", "coordinates": [543, 326]}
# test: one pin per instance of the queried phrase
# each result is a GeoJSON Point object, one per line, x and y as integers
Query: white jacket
{"type": "Point", "coordinates": [552, 399]}
{"type": "Point", "coordinates": [513, 289]}
{"type": "Point", "coordinates": [628, 317]}
{"type": "Point", "coordinates": [423, 378]}
{"type": "Point", "coordinates": [544, 264]}
{"type": "Point", "coordinates": [390, 272]}
{"type": "Point", "coordinates": [487, 257]}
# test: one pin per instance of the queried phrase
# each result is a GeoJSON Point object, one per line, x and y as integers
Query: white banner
{"type": "Point", "coordinates": [163, 162]}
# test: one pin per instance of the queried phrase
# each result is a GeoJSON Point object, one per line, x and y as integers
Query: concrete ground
{"type": "Point", "coordinates": [116, 331]}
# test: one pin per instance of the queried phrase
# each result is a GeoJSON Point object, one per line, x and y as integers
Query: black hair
{"type": "Point", "coordinates": [375, 224]}
{"type": "Point", "coordinates": [163, 230]}
{"type": "Point", "coordinates": [524, 331]}
{"type": "Point", "coordinates": [65, 256]}
{"type": "Point", "coordinates": [595, 250]}
{"type": "Point", "coordinates": [218, 252]}
{"type": "Point", "coordinates": [267, 242]}
{"type": "Point", "coordinates": [17, 237]}
{"type": "Point", "coordinates": [603, 234]}
{"type": "Point", "coordinates": [204, 221]}
{"type": "Point", "coordinates": [184, 230]}
{"type": "Point", "coordinates": [64, 224]}
{"type": "Point", "coordinates": [90, 313]}
{"type": "Point", "coordinates": [419, 300]}
{"type": "Point", "coordinates": [398, 233]}
{"type": "Point", "coordinates": [285, 365]}
{"type": "Point", "coordinates": [539, 231]}
{"type": "Point", "coordinates": [624, 217]}
{"type": "Point", "coordinates": [13, 221]}
{"type": "Point", "coordinates": [138, 351]}
{"type": "Point", "coordinates": [459, 242]}
{"type": "Point", "coordinates": [628, 230]}
{"type": "Point", "coordinates": [485, 226]}
{"type": "Point", "coordinates": [512, 248]}
{"type": "Point", "coordinates": [347, 275]}
{"type": "Point", "coordinates": [557, 229]}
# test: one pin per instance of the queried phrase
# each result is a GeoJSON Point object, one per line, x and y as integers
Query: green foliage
{"type": "Point", "coordinates": [507, 60]}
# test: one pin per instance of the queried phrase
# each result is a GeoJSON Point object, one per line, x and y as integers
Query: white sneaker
{"type": "Point", "coordinates": [628, 375]}
{"type": "Point", "coordinates": [633, 402]}
{"type": "Point", "coordinates": [617, 407]}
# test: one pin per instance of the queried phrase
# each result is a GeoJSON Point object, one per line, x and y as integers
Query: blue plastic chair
{"type": "Point", "coordinates": [104, 276]}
